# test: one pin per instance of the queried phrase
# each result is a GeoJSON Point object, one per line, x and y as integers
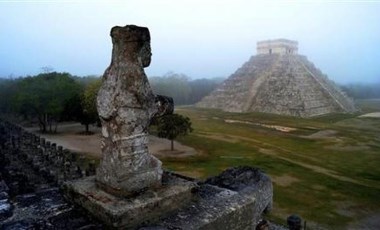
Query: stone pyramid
{"type": "Point", "coordinates": [278, 80]}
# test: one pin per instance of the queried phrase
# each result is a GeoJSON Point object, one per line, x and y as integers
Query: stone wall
{"type": "Point", "coordinates": [41, 158]}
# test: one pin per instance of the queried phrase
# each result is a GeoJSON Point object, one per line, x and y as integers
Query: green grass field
{"type": "Point", "coordinates": [326, 169]}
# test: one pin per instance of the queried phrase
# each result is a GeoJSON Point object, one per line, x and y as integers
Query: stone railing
{"type": "Point", "coordinates": [40, 158]}
{"type": "Point", "coordinates": [32, 171]}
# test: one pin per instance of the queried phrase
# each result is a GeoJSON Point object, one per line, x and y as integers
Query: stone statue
{"type": "Point", "coordinates": [126, 105]}
{"type": "Point", "coordinates": [117, 196]}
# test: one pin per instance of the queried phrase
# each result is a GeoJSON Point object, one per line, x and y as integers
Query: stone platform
{"type": "Point", "coordinates": [131, 212]}
{"type": "Point", "coordinates": [216, 208]}
{"type": "Point", "coordinates": [235, 199]}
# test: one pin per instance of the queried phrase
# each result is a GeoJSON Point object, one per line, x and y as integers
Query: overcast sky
{"type": "Point", "coordinates": [198, 38]}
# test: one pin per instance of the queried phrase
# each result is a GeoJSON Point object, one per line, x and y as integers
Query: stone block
{"type": "Point", "coordinates": [250, 182]}
{"type": "Point", "coordinates": [130, 212]}
{"type": "Point", "coordinates": [235, 199]}
{"type": "Point", "coordinates": [216, 208]}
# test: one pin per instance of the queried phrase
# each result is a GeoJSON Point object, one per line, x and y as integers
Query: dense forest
{"type": "Point", "coordinates": [49, 98]}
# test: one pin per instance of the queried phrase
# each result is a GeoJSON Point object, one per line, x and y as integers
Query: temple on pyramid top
{"type": "Point", "coordinates": [277, 46]}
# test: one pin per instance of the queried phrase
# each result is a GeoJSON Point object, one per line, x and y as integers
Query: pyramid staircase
{"type": "Point", "coordinates": [281, 84]}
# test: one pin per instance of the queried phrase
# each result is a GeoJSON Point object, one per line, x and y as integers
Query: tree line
{"type": "Point", "coordinates": [52, 97]}
{"type": "Point", "coordinates": [49, 98]}
{"type": "Point", "coordinates": [182, 88]}
{"type": "Point", "coordinates": [362, 91]}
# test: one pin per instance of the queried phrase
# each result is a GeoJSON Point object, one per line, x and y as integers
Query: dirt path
{"type": "Point", "coordinates": [373, 115]}
{"type": "Point", "coordinates": [68, 136]}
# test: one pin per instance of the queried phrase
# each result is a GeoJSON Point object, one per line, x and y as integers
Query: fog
{"type": "Point", "coordinates": [196, 38]}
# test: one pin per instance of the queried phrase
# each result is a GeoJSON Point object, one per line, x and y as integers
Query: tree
{"type": "Point", "coordinates": [7, 89]}
{"type": "Point", "coordinates": [44, 96]}
{"type": "Point", "coordinates": [171, 126]}
{"type": "Point", "coordinates": [88, 103]}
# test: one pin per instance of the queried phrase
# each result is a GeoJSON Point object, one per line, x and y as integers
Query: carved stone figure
{"type": "Point", "coordinates": [126, 105]}
{"type": "Point", "coordinates": [123, 194]}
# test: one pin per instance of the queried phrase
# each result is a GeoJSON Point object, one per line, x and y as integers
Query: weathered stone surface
{"type": "Point", "coordinates": [145, 207]}
{"type": "Point", "coordinates": [5, 209]}
{"type": "Point", "coordinates": [216, 208]}
{"type": "Point", "coordinates": [235, 199]}
{"type": "Point", "coordinates": [47, 209]}
{"type": "Point", "coordinates": [28, 198]}
{"type": "Point", "coordinates": [250, 182]}
{"type": "Point", "coordinates": [126, 105]}
{"type": "Point", "coordinates": [285, 83]}
{"type": "Point", "coordinates": [279, 46]}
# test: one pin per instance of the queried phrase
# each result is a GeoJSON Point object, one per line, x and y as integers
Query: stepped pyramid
{"type": "Point", "coordinates": [278, 80]}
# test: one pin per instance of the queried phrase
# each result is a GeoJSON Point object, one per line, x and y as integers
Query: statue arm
{"type": "Point", "coordinates": [164, 104]}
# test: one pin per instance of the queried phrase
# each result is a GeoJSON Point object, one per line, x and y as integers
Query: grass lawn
{"type": "Point", "coordinates": [326, 169]}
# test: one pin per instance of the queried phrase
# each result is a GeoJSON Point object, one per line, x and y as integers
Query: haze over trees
{"type": "Point", "coordinates": [182, 89]}
{"type": "Point", "coordinates": [362, 91]}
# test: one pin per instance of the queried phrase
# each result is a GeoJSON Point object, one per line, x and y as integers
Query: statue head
{"type": "Point", "coordinates": [132, 43]}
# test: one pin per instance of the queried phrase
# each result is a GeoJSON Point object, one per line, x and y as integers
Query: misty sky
{"type": "Point", "coordinates": [196, 38]}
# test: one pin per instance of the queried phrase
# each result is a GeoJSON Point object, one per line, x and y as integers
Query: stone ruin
{"type": "Point", "coordinates": [277, 80]}
{"type": "Point", "coordinates": [44, 186]}
{"type": "Point", "coordinates": [130, 189]}
{"type": "Point", "coordinates": [33, 170]}
{"type": "Point", "coordinates": [31, 173]}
